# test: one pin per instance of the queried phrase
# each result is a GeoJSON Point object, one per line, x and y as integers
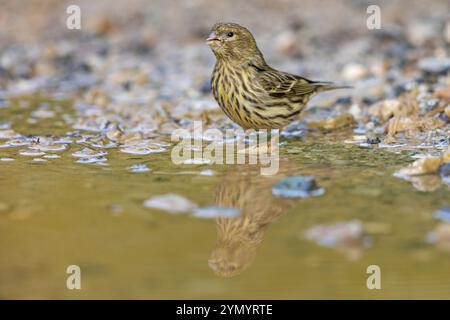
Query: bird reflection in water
{"type": "Point", "coordinates": [238, 238]}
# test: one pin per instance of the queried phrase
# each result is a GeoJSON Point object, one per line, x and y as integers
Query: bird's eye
{"type": "Point", "coordinates": [230, 34]}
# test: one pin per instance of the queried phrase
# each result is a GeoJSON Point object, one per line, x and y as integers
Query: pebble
{"type": "Point", "coordinates": [287, 43]}
{"type": "Point", "coordinates": [207, 172]}
{"type": "Point", "coordinates": [51, 156]}
{"type": "Point", "coordinates": [89, 160]}
{"type": "Point", "coordinates": [6, 159]}
{"type": "Point", "coordinates": [440, 236]}
{"type": "Point", "coordinates": [354, 71]}
{"type": "Point", "coordinates": [444, 172]}
{"type": "Point", "coordinates": [216, 212]}
{"type": "Point", "coordinates": [8, 134]}
{"type": "Point", "coordinates": [442, 214]}
{"type": "Point", "coordinates": [434, 66]}
{"type": "Point", "coordinates": [31, 153]}
{"type": "Point", "coordinates": [326, 119]}
{"type": "Point", "coordinates": [297, 187]}
{"type": "Point", "coordinates": [138, 168]}
{"type": "Point", "coordinates": [340, 234]}
{"type": "Point", "coordinates": [172, 203]}
{"type": "Point", "coordinates": [89, 153]}
{"type": "Point", "coordinates": [420, 167]}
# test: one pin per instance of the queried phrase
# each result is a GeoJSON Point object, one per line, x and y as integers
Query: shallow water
{"type": "Point", "coordinates": [58, 213]}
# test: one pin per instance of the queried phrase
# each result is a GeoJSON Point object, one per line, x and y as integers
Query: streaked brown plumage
{"type": "Point", "coordinates": [249, 91]}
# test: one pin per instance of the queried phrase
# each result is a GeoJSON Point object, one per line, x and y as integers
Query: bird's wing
{"type": "Point", "coordinates": [279, 84]}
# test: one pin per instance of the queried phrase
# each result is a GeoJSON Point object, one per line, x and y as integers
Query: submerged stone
{"type": "Point", "coordinates": [442, 214]}
{"type": "Point", "coordinates": [88, 153]}
{"type": "Point", "coordinates": [434, 66]}
{"type": "Point", "coordinates": [215, 212]}
{"type": "Point", "coordinates": [88, 160]}
{"type": "Point", "coordinates": [138, 168]}
{"type": "Point", "coordinates": [444, 172]}
{"type": "Point", "coordinates": [297, 187]}
{"type": "Point", "coordinates": [340, 234]}
{"type": "Point", "coordinates": [171, 203]}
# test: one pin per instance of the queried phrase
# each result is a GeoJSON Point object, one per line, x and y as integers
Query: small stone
{"type": "Point", "coordinates": [31, 153]}
{"type": "Point", "coordinates": [434, 66]}
{"type": "Point", "coordinates": [391, 108]}
{"type": "Point", "coordinates": [326, 119]}
{"type": "Point", "coordinates": [197, 161]}
{"type": "Point", "coordinates": [206, 87]}
{"type": "Point", "coordinates": [88, 153]}
{"type": "Point", "coordinates": [442, 93]}
{"type": "Point", "coordinates": [170, 202]}
{"type": "Point", "coordinates": [207, 172]}
{"type": "Point", "coordinates": [89, 160]}
{"type": "Point", "coordinates": [6, 159]}
{"type": "Point", "coordinates": [215, 212]}
{"type": "Point", "coordinates": [447, 32]}
{"type": "Point", "coordinates": [138, 168]}
{"type": "Point", "coordinates": [354, 71]}
{"type": "Point", "coordinates": [444, 172]}
{"type": "Point", "coordinates": [420, 167]}
{"type": "Point", "coordinates": [440, 236]}
{"type": "Point", "coordinates": [442, 214]}
{"type": "Point", "coordinates": [373, 140]}
{"type": "Point", "coordinates": [287, 43]}
{"type": "Point", "coordinates": [342, 234]}
{"type": "Point", "coordinates": [43, 114]}
{"type": "Point", "coordinates": [51, 156]}
{"type": "Point", "coordinates": [8, 134]}
{"type": "Point", "coordinates": [447, 111]}
{"type": "Point", "coordinates": [343, 100]}
{"type": "Point", "coordinates": [297, 187]}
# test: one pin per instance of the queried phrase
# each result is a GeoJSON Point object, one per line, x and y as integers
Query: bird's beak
{"type": "Point", "coordinates": [212, 37]}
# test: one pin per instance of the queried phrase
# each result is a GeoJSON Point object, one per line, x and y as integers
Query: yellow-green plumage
{"type": "Point", "coordinates": [250, 92]}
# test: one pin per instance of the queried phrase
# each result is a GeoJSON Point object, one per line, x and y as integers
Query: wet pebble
{"type": "Point", "coordinates": [89, 160]}
{"type": "Point", "coordinates": [8, 134]}
{"type": "Point", "coordinates": [354, 71]}
{"type": "Point", "coordinates": [297, 187]}
{"type": "Point", "coordinates": [420, 167]}
{"type": "Point", "coordinates": [207, 172]}
{"type": "Point", "coordinates": [31, 153]}
{"type": "Point", "coordinates": [143, 147]}
{"type": "Point", "coordinates": [138, 168]}
{"type": "Point", "coordinates": [442, 214]}
{"type": "Point", "coordinates": [89, 153]}
{"type": "Point", "coordinates": [171, 202]}
{"type": "Point", "coordinates": [295, 129]}
{"type": "Point", "coordinates": [440, 236]}
{"type": "Point", "coordinates": [197, 161]}
{"type": "Point", "coordinates": [6, 159]}
{"type": "Point", "coordinates": [434, 66]}
{"type": "Point", "coordinates": [215, 212]}
{"type": "Point", "coordinates": [444, 172]}
{"type": "Point", "coordinates": [51, 156]}
{"type": "Point", "coordinates": [340, 234]}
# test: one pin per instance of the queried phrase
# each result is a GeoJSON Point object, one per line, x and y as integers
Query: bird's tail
{"type": "Point", "coordinates": [325, 86]}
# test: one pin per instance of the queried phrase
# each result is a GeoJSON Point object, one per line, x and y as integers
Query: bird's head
{"type": "Point", "coordinates": [232, 41]}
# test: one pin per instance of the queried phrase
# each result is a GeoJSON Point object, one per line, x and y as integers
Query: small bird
{"type": "Point", "coordinates": [248, 90]}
